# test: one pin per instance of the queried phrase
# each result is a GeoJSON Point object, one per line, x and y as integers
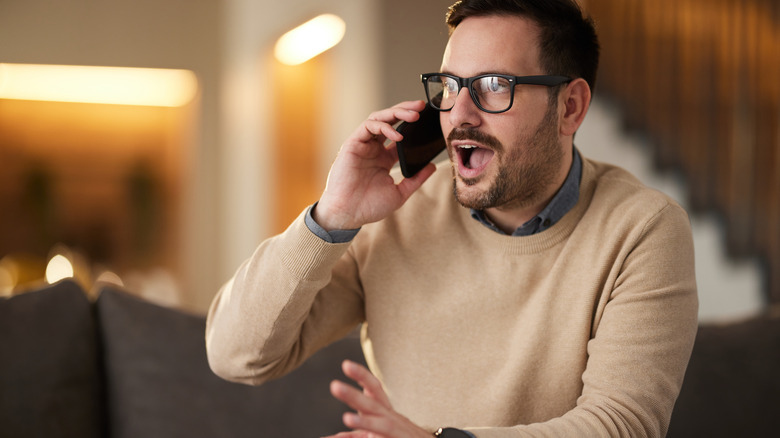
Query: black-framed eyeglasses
{"type": "Point", "coordinates": [492, 93]}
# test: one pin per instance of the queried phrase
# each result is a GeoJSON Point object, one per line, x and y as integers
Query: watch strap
{"type": "Point", "coordinates": [451, 432]}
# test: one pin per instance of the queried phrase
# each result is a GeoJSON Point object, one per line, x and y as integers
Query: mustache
{"type": "Point", "coordinates": [475, 135]}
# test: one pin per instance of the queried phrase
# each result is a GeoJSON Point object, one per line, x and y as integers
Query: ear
{"type": "Point", "coordinates": [576, 101]}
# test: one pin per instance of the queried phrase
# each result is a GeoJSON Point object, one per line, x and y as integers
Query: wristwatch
{"type": "Point", "coordinates": [451, 432]}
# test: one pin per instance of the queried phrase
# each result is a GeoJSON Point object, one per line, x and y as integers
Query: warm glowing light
{"type": "Point", "coordinates": [59, 268]}
{"type": "Point", "coordinates": [9, 276]}
{"type": "Point", "coordinates": [7, 281]}
{"type": "Point", "coordinates": [109, 277]}
{"type": "Point", "coordinates": [310, 39]}
{"type": "Point", "coordinates": [86, 84]}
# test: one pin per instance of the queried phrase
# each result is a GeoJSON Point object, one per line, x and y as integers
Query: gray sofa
{"type": "Point", "coordinates": [122, 367]}
{"type": "Point", "coordinates": [732, 384]}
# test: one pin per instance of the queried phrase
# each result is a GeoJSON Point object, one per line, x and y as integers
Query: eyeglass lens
{"type": "Point", "coordinates": [492, 93]}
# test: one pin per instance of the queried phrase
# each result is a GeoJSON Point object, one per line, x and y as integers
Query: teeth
{"type": "Point", "coordinates": [468, 146]}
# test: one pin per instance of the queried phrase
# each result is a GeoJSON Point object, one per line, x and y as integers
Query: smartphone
{"type": "Point", "coordinates": [423, 141]}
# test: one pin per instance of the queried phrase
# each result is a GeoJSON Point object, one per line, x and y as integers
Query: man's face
{"type": "Point", "coordinates": [511, 159]}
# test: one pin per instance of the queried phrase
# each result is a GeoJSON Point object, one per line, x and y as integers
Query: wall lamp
{"type": "Point", "coordinates": [310, 39]}
{"type": "Point", "coordinates": [91, 84]}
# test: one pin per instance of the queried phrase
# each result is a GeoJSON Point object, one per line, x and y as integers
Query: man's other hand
{"type": "Point", "coordinates": [375, 417]}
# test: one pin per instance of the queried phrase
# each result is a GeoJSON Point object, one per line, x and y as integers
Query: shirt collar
{"type": "Point", "coordinates": [561, 203]}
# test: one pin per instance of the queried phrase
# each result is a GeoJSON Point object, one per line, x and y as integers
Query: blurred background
{"type": "Point", "coordinates": [168, 196]}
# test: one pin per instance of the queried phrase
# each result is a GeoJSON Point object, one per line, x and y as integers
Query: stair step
{"type": "Point", "coordinates": [728, 289]}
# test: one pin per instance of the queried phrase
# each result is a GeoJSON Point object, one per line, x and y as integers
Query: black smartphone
{"type": "Point", "coordinates": [423, 141]}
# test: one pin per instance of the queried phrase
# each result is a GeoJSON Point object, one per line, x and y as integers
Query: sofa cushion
{"type": "Point", "coordinates": [732, 385]}
{"type": "Point", "coordinates": [159, 383]}
{"type": "Point", "coordinates": [49, 375]}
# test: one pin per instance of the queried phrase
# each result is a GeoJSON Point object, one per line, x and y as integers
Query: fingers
{"type": "Point", "coordinates": [375, 416]}
{"type": "Point", "coordinates": [370, 384]}
{"type": "Point", "coordinates": [359, 188]}
{"type": "Point", "coordinates": [402, 111]}
{"type": "Point", "coordinates": [380, 123]}
{"type": "Point", "coordinates": [372, 423]}
{"type": "Point", "coordinates": [377, 130]}
{"type": "Point", "coordinates": [368, 408]}
{"type": "Point", "coordinates": [372, 400]}
{"type": "Point", "coordinates": [371, 416]}
{"type": "Point", "coordinates": [354, 398]}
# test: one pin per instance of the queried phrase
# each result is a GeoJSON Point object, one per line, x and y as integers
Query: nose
{"type": "Point", "coordinates": [464, 112]}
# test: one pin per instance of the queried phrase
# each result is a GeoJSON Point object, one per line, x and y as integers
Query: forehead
{"type": "Point", "coordinates": [493, 44]}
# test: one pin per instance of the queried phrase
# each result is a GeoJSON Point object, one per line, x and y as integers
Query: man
{"type": "Point", "coordinates": [550, 296]}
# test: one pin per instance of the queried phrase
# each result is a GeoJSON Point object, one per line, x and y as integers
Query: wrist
{"type": "Point", "coordinates": [329, 220]}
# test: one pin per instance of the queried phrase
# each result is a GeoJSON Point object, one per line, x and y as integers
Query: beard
{"type": "Point", "coordinates": [525, 170]}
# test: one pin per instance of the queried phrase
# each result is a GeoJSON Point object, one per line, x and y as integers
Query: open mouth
{"type": "Point", "coordinates": [472, 159]}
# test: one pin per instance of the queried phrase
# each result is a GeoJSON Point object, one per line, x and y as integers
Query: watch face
{"type": "Point", "coordinates": [449, 432]}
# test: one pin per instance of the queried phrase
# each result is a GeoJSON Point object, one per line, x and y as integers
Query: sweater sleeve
{"type": "Point", "coordinates": [292, 297]}
{"type": "Point", "coordinates": [641, 342]}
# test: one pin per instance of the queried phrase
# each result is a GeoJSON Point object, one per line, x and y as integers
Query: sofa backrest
{"type": "Point", "coordinates": [50, 379]}
{"type": "Point", "coordinates": [159, 383]}
{"type": "Point", "coordinates": [732, 385]}
{"type": "Point", "coordinates": [123, 367]}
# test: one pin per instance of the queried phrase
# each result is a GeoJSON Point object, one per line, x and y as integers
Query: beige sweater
{"type": "Point", "coordinates": [582, 330]}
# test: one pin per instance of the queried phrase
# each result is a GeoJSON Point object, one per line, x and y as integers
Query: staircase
{"type": "Point", "coordinates": [695, 82]}
{"type": "Point", "coordinates": [728, 289]}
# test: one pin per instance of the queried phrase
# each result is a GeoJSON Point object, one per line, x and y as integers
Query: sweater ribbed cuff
{"type": "Point", "coordinates": [306, 255]}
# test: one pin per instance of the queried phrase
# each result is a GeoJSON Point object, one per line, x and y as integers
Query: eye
{"type": "Point", "coordinates": [450, 85]}
{"type": "Point", "coordinates": [493, 84]}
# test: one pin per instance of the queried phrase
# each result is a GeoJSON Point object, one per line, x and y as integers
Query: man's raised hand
{"type": "Point", "coordinates": [360, 189]}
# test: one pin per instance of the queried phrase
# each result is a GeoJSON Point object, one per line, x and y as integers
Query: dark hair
{"type": "Point", "coordinates": [568, 42]}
